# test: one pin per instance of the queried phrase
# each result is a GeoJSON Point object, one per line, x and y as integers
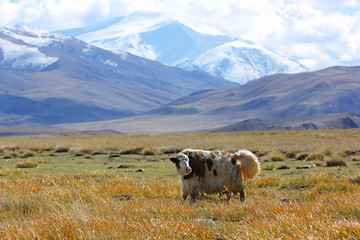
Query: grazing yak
{"type": "Point", "coordinates": [213, 172]}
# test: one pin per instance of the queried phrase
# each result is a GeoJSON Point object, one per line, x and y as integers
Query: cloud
{"type": "Point", "coordinates": [330, 38]}
{"type": "Point", "coordinates": [317, 33]}
{"type": "Point", "coordinates": [57, 14]}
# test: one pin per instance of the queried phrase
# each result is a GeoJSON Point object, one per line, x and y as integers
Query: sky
{"type": "Point", "coordinates": [316, 33]}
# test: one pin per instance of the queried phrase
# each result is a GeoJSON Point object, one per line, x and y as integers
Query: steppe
{"type": "Point", "coordinates": [125, 187]}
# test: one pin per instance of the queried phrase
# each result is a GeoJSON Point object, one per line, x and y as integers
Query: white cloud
{"type": "Point", "coordinates": [318, 33]}
{"type": "Point", "coordinates": [57, 14]}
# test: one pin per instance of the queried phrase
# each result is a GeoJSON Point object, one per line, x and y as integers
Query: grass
{"type": "Point", "coordinates": [86, 206]}
{"type": "Point", "coordinates": [337, 161]}
{"type": "Point", "coordinates": [26, 164]}
{"type": "Point", "coordinates": [268, 167]}
{"type": "Point", "coordinates": [316, 157]}
{"type": "Point", "coordinates": [103, 197]}
{"type": "Point", "coordinates": [310, 141]}
{"type": "Point", "coordinates": [277, 157]}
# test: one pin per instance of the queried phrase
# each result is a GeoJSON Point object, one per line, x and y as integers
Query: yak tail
{"type": "Point", "coordinates": [250, 166]}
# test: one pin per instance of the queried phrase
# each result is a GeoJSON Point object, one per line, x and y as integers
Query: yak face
{"type": "Point", "coordinates": [182, 164]}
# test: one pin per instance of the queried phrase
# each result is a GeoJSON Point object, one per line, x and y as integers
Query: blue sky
{"type": "Point", "coordinates": [317, 33]}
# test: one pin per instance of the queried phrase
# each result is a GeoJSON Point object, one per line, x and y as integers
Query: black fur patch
{"type": "Point", "coordinates": [176, 161]}
{"type": "Point", "coordinates": [197, 164]}
{"type": "Point", "coordinates": [215, 172]}
{"type": "Point", "coordinates": [209, 164]}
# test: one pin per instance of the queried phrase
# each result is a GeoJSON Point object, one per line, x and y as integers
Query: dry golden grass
{"type": "Point", "coordinates": [277, 157]}
{"type": "Point", "coordinates": [337, 161]}
{"type": "Point", "coordinates": [317, 203]}
{"type": "Point", "coordinates": [90, 206]}
{"type": "Point", "coordinates": [266, 141]}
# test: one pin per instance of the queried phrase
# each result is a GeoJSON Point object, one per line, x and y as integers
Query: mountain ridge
{"type": "Point", "coordinates": [326, 91]}
{"type": "Point", "coordinates": [173, 41]}
{"type": "Point", "coordinates": [318, 121]}
{"type": "Point", "coordinates": [84, 82]}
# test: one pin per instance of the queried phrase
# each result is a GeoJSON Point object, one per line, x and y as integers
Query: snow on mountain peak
{"type": "Point", "coordinates": [33, 50]}
{"type": "Point", "coordinates": [173, 41]}
{"type": "Point", "coordinates": [22, 57]}
{"type": "Point", "coordinates": [33, 36]}
{"type": "Point", "coordinates": [147, 35]}
{"type": "Point", "coordinates": [132, 24]}
{"type": "Point", "coordinates": [242, 61]}
{"type": "Point", "coordinates": [30, 29]}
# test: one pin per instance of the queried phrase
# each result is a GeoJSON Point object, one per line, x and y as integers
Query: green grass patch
{"type": "Point", "coordinates": [269, 167]}
{"type": "Point", "coordinates": [26, 164]}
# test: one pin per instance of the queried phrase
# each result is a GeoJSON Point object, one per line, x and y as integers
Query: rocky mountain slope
{"type": "Point", "coordinates": [48, 78]}
{"type": "Point", "coordinates": [317, 121]}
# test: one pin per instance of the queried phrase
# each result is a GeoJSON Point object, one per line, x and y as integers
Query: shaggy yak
{"type": "Point", "coordinates": [213, 172]}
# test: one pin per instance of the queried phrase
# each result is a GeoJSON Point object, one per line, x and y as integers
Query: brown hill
{"type": "Point", "coordinates": [318, 121]}
{"type": "Point", "coordinates": [331, 90]}
{"type": "Point", "coordinates": [45, 131]}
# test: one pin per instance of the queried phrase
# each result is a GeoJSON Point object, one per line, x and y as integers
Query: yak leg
{"type": "Point", "coordinates": [192, 198]}
{"type": "Point", "coordinates": [242, 196]}
{"type": "Point", "coordinates": [242, 193]}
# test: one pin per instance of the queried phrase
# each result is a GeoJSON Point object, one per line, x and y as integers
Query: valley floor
{"type": "Point", "coordinates": [125, 187]}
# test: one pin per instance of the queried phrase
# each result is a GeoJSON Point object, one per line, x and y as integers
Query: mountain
{"type": "Point", "coordinates": [240, 61]}
{"type": "Point", "coordinates": [327, 91]}
{"type": "Point", "coordinates": [173, 41]}
{"type": "Point", "coordinates": [49, 78]}
{"type": "Point", "coordinates": [46, 131]}
{"type": "Point", "coordinates": [317, 121]}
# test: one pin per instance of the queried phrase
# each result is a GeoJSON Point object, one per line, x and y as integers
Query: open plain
{"type": "Point", "coordinates": [125, 187]}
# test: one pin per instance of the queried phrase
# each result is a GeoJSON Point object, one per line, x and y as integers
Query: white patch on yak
{"type": "Point", "coordinates": [185, 168]}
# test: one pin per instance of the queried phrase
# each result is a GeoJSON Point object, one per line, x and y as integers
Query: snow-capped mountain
{"type": "Point", "coordinates": [241, 61]}
{"type": "Point", "coordinates": [151, 35]}
{"type": "Point", "coordinates": [174, 42]}
{"type": "Point", "coordinates": [48, 78]}
{"type": "Point", "coordinates": [20, 51]}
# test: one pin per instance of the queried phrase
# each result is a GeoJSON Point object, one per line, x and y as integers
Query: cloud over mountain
{"type": "Point", "coordinates": [315, 33]}
{"type": "Point", "coordinates": [172, 41]}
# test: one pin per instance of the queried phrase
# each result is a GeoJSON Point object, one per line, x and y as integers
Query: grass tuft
{"type": "Point", "coordinates": [316, 157]}
{"type": "Point", "coordinates": [302, 156]}
{"type": "Point", "coordinates": [291, 155]}
{"type": "Point", "coordinates": [11, 154]}
{"type": "Point", "coordinates": [61, 149]}
{"type": "Point", "coordinates": [26, 164]}
{"type": "Point", "coordinates": [148, 152]}
{"type": "Point", "coordinates": [170, 150]}
{"type": "Point", "coordinates": [140, 151]}
{"type": "Point", "coordinates": [136, 150]}
{"type": "Point", "coordinates": [269, 167]}
{"type": "Point", "coordinates": [277, 157]}
{"type": "Point", "coordinates": [28, 154]}
{"type": "Point", "coordinates": [337, 161]}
